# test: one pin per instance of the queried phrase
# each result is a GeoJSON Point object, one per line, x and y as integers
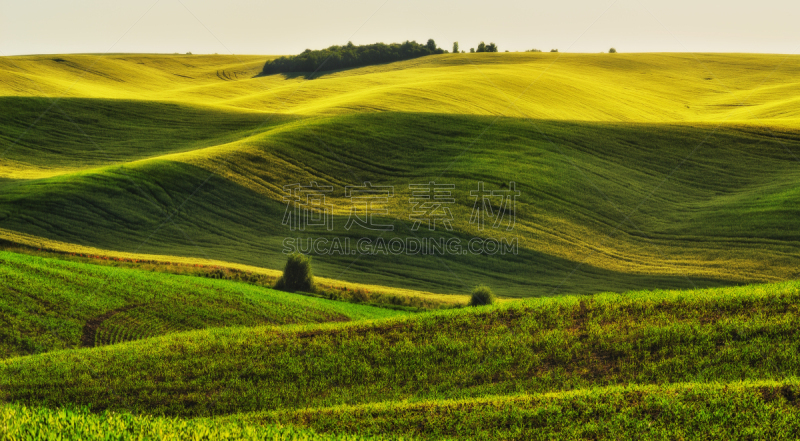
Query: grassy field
{"type": "Point", "coordinates": [660, 181]}
{"type": "Point", "coordinates": [24, 423]}
{"type": "Point", "coordinates": [683, 353]}
{"type": "Point", "coordinates": [698, 411]}
{"type": "Point", "coordinates": [49, 304]}
{"type": "Point", "coordinates": [651, 295]}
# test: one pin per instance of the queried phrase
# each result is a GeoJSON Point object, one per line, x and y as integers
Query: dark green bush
{"type": "Point", "coordinates": [482, 295]}
{"type": "Point", "coordinates": [297, 275]}
{"type": "Point", "coordinates": [612, 51]}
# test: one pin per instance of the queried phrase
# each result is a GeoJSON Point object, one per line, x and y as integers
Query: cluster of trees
{"type": "Point", "coordinates": [350, 55]}
{"type": "Point", "coordinates": [483, 47]}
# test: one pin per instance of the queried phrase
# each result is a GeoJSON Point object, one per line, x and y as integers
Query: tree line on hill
{"type": "Point", "coordinates": [350, 55]}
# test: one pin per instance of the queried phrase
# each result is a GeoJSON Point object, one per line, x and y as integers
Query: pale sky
{"type": "Point", "coordinates": [290, 26]}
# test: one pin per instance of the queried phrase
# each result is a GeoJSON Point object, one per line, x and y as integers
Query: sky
{"type": "Point", "coordinates": [271, 27]}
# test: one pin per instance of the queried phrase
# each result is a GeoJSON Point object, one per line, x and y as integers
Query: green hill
{"type": "Point", "coordinates": [695, 341]}
{"type": "Point", "coordinates": [50, 304]}
{"type": "Point", "coordinates": [658, 181]}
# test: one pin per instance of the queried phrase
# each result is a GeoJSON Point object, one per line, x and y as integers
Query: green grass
{"type": "Point", "coordinates": [46, 304]}
{"type": "Point", "coordinates": [534, 346]}
{"type": "Point", "coordinates": [25, 423]}
{"type": "Point", "coordinates": [637, 172]}
{"type": "Point", "coordinates": [658, 181]}
{"type": "Point", "coordinates": [712, 221]}
{"type": "Point", "coordinates": [78, 134]}
{"type": "Point", "coordinates": [697, 411]}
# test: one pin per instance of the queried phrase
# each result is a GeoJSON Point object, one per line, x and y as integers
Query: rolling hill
{"type": "Point", "coordinates": [635, 170]}
{"type": "Point", "coordinates": [657, 183]}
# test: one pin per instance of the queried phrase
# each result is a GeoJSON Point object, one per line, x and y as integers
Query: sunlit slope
{"type": "Point", "coordinates": [602, 207]}
{"type": "Point", "coordinates": [48, 304]}
{"type": "Point", "coordinates": [74, 134]}
{"type": "Point", "coordinates": [533, 346]}
{"type": "Point", "coordinates": [587, 87]}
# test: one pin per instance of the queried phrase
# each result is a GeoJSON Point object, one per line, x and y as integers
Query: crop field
{"type": "Point", "coordinates": [24, 423]}
{"type": "Point", "coordinates": [50, 304]}
{"type": "Point", "coordinates": [646, 274]}
{"type": "Point", "coordinates": [676, 351]}
{"type": "Point", "coordinates": [674, 178]}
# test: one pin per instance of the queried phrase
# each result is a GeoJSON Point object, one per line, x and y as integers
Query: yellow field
{"type": "Point", "coordinates": [585, 87]}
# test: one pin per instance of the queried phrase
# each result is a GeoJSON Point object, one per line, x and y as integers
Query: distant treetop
{"type": "Point", "coordinates": [483, 47]}
{"type": "Point", "coordinates": [343, 57]}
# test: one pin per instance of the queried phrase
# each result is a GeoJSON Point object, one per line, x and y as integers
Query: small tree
{"type": "Point", "coordinates": [553, 50]}
{"type": "Point", "coordinates": [297, 275]}
{"type": "Point", "coordinates": [431, 45]}
{"type": "Point", "coordinates": [612, 51]}
{"type": "Point", "coordinates": [481, 295]}
{"type": "Point", "coordinates": [455, 47]}
{"type": "Point", "coordinates": [472, 50]}
{"type": "Point", "coordinates": [491, 47]}
{"type": "Point", "coordinates": [481, 47]}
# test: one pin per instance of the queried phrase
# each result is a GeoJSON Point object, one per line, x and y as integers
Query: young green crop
{"type": "Point", "coordinates": [533, 346]}
{"type": "Point", "coordinates": [48, 304]}
{"type": "Point", "coordinates": [25, 423]}
{"type": "Point", "coordinates": [697, 411]}
{"type": "Point", "coordinates": [563, 217]}
{"type": "Point", "coordinates": [621, 161]}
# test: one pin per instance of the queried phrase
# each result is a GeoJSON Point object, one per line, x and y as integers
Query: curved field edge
{"type": "Point", "coordinates": [531, 346]}
{"type": "Point", "coordinates": [19, 422]}
{"type": "Point", "coordinates": [738, 410]}
{"type": "Point", "coordinates": [48, 304]}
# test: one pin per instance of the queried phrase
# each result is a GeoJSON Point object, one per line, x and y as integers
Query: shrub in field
{"type": "Point", "coordinates": [455, 47]}
{"type": "Point", "coordinates": [361, 295]}
{"type": "Point", "coordinates": [612, 51]}
{"type": "Point", "coordinates": [481, 295]}
{"type": "Point", "coordinates": [297, 275]}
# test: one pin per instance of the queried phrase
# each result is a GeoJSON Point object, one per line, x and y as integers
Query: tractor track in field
{"type": "Point", "coordinates": [92, 325]}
